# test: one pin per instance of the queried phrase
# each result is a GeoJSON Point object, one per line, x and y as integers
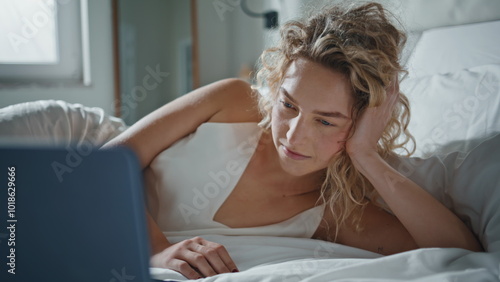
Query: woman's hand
{"type": "Point", "coordinates": [372, 123]}
{"type": "Point", "coordinates": [195, 258]}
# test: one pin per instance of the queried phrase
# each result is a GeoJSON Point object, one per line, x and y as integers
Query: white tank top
{"type": "Point", "coordinates": [188, 182]}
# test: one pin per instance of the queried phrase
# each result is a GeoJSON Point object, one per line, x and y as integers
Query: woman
{"type": "Point", "coordinates": [332, 116]}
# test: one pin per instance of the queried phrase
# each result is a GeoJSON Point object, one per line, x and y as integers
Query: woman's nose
{"type": "Point", "coordinates": [297, 131]}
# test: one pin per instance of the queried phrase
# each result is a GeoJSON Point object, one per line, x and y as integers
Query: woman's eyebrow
{"type": "Point", "coordinates": [326, 114]}
{"type": "Point", "coordinates": [287, 95]}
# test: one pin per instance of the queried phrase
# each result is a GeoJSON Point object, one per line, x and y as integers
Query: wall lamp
{"type": "Point", "coordinates": [270, 17]}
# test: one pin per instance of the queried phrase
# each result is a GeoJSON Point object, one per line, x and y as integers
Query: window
{"type": "Point", "coordinates": [44, 42]}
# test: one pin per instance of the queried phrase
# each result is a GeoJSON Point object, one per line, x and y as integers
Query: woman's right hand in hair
{"type": "Point", "coordinates": [372, 124]}
{"type": "Point", "coordinates": [195, 258]}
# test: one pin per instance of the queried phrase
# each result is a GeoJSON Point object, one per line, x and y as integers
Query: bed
{"type": "Point", "coordinates": [454, 89]}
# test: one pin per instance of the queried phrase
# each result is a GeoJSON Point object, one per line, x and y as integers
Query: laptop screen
{"type": "Point", "coordinates": [72, 214]}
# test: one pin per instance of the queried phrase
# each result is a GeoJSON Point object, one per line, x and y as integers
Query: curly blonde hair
{"type": "Point", "coordinates": [361, 43]}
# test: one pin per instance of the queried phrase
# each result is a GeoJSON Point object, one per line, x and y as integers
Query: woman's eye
{"type": "Point", "coordinates": [324, 122]}
{"type": "Point", "coordinates": [287, 105]}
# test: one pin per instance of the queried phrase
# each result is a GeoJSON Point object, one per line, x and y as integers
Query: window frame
{"type": "Point", "coordinates": [73, 67]}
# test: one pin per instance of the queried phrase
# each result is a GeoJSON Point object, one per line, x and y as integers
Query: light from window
{"type": "Point", "coordinates": [28, 32]}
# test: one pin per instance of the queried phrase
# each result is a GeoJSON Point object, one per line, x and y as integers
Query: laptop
{"type": "Point", "coordinates": [72, 214]}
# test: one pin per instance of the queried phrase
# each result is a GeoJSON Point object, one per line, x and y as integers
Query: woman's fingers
{"type": "Point", "coordinates": [200, 262]}
{"type": "Point", "coordinates": [216, 255]}
{"type": "Point", "coordinates": [222, 260]}
{"type": "Point", "coordinates": [392, 96]}
{"type": "Point", "coordinates": [393, 88]}
{"type": "Point", "coordinates": [184, 268]}
{"type": "Point", "coordinates": [195, 258]}
{"type": "Point", "coordinates": [373, 122]}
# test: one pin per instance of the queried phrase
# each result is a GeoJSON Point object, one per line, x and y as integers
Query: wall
{"type": "Point", "coordinates": [100, 93]}
{"type": "Point", "coordinates": [228, 38]}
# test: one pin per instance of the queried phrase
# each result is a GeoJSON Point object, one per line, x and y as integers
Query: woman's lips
{"type": "Point", "coordinates": [294, 155]}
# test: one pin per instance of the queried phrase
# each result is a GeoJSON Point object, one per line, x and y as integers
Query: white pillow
{"type": "Point", "coordinates": [444, 50]}
{"type": "Point", "coordinates": [450, 111]}
{"type": "Point", "coordinates": [56, 122]}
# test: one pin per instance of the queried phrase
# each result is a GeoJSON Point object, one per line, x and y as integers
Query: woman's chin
{"type": "Point", "coordinates": [296, 168]}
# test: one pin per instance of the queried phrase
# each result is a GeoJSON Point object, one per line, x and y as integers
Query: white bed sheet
{"type": "Point", "coordinates": [296, 259]}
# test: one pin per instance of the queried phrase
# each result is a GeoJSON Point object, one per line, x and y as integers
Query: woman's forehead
{"type": "Point", "coordinates": [303, 74]}
{"type": "Point", "coordinates": [315, 86]}
{"type": "Point", "coordinates": [306, 70]}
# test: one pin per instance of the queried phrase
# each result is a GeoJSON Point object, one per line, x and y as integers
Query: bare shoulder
{"type": "Point", "coordinates": [380, 232]}
{"type": "Point", "coordinates": [228, 100]}
{"type": "Point", "coordinates": [238, 102]}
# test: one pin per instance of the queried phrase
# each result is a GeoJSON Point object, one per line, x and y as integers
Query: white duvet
{"type": "Point", "coordinates": [295, 259]}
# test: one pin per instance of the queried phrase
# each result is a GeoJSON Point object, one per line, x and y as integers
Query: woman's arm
{"type": "Point", "coordinates": [429, 222]}
{"type": "Point", "coordinates": [228, 100]}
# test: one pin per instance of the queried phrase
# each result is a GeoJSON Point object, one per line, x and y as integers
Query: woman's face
{"type": "Point", "coordinates": [310, 117]}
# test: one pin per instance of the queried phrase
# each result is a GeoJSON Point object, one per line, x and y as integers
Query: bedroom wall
{"type": "Point", "coordinates": [229, 38]}
{"type": "Point", "coordinates": [100, 93]}
{"type": "Point", "coordinates": [416, 15]}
